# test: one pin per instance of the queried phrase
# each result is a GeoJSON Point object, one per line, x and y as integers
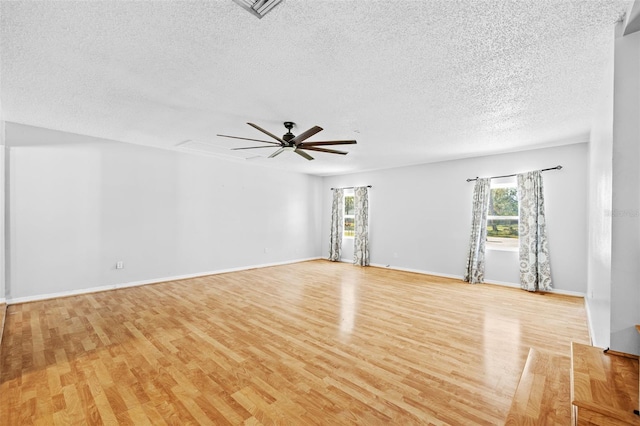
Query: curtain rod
{"type": "Point", "coordinates": [516, 174]}
{"type": "Point", "coordinates": [351, 187]}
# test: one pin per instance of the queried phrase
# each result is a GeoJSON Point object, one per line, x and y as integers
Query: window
{"type": "Point", "coordinates": [502, 217]}
{"type": "Point", "coordinates": [349, 214]}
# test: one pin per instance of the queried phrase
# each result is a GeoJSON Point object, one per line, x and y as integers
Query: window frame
{"type": "Point", "coordinates": [345, 216]}
{"type": "Point", "coordinates": [494, 245]}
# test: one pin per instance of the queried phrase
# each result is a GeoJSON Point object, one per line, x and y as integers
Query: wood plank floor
{"type": "Point", "coordinates": [309, 343]}
{"type": "Point", "coordinates": [3, 311]}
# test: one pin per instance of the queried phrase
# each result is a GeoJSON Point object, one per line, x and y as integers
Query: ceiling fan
{"type": "Point", "coordinates": [291, 142]}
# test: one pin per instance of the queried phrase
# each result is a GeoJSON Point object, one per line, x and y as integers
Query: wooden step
{"type": "Point", "coordinates": [604, 387]}
{"type": "Point", "coordinates": [542, 395]}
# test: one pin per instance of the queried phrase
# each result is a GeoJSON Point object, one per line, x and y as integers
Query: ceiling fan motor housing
{"type": "Point", "coordinates": [288, 136]}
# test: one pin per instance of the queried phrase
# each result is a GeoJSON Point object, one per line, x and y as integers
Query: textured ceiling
{"type": "Point", "coordinates": [412, 81]}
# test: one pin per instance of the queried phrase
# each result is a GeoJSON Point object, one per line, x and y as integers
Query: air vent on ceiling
{"type": "Point", "coordinates": [258, 8]}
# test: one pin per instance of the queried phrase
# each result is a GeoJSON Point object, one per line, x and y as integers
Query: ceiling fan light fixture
{"type": "Point", "coordinates": [258, 8]}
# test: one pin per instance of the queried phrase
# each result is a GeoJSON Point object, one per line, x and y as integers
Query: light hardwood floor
{"type": "Point", "coordinates": [308, 343]}
{"type": "Point", "coordinates": [3, 311]}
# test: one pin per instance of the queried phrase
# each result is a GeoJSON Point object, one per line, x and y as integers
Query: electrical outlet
{"type": "Point", "coordinates": [266, 250]}
{"type": "Point", "coordinates": [119, 264]}
{"type": "Point", "coordinates": [395, 255]}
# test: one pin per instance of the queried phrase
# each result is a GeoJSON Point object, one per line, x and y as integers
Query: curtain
{"type": "Point", "coordinates": [361, 239]}
{"type": "Point", "coordinates": [337, 222]}
{"type": "Point", "coordinates": [535, 271]}
{"type": "Point", "coordinates": [475, 256]}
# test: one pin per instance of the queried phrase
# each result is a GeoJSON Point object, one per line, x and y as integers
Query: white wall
{"type": "Point", "coordinates": [600, 193]}
{"type": "Point", "coordinates": [614, 199]}
{"type": "Point", "coordinates": [625, 252]}
{"type": "Point", "coordinates": [420, 216]}
{"type": "Point", "coordinates": [2, 199]}
{"type": "Point", "coordinates": [2, 212]}
{"type": "Point", "coordinates": [79, 204]}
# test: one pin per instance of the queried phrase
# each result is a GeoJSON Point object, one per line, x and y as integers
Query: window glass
{"type": "Point", "coordinates": [349, 214]}
{"type": "Point", "coordinates": [502, 217]}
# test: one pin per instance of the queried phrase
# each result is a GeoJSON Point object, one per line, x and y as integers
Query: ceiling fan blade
{"type": "Point", "coordinates": [305, 135]}
{"type": "Point", "coordinates": [345, 142]}
{"type": "Point", "coordinates": [278, 152]}
{"type": "Point", "coordinates": [248, 139]}
{"type": "Point", "coordinates": [255, 126]}
{"type": "Point", "coordinates": [303, 154]}
{"type": "Point", "coordinates": [250, 147]}
{"type": "Point", "coordinates": [330, 151]}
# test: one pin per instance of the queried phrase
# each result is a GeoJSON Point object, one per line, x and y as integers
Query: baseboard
{"type": "Point", "coordinates": [417, 271]}
{"type": "Point", "coordinates": [568, 293]}
{"type": "Point", "coordinates": [460, 277]}
{"type": "Point", "coordinates": [13, 301]}
{"type": "Point", "coordinates": [503, 283]}
{"type": "Point", "coordinates": [553, 290]}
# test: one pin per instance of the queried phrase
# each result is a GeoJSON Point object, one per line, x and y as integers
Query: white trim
{"type": "Point", "coordinates": [2, 300]}
{"type": "Point", "coordinates": [568, 293]}
{"type": "Point", "coordinates": [511, 183]}
{"type": "Point", "coordinates": [460, 277]}
{"type": "Point", "coordinates": [503, 283]}
{"type": "Point", "coordinates": [342, 260]}
{"type": "Point", "coordinates": [418, 271]}
{"type": "Point", "coordinates": [589, 322]}
{"type": "Point", "coordinates": [553, 290]}
{"type": "Point", "coordinates": [27, 299]}
{"type": "Point", "coordinates": [501, 248]}
{"type": "Point", "coordinates": [12, 301]}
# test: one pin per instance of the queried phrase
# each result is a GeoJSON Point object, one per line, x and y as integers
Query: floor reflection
{"type": "Point", "coordinates": [501, 342]}
{"type": "Point", "coordinates": [347, 307]}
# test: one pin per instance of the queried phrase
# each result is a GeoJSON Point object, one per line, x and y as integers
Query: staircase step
{"type": "Point", "coordinates": [604, 386]}
{"type": "Point", "coordinates": [542, 395]}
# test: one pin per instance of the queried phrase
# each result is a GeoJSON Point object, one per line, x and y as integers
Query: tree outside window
{"type": "Point", "coordinates": [502, 217]}
{"type": "Point", "coordinates": [349, 215]}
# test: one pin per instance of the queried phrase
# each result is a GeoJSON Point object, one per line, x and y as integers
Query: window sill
{"type": "Point", "coordinates": [498, 248]}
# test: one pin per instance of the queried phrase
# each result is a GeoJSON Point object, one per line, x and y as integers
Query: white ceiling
{"type": "Point", "coordinates": [412, 81]}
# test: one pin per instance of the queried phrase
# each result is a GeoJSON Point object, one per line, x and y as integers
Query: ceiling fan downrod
{"type": "Point", "coordinates": [288, 136]}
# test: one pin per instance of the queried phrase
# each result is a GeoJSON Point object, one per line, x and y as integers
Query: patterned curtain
{"type": "Point", "coordinates": [337, 222]}
{"type": "Point", "coordinates": [475, 256]}
{"type": "Point", "coordinates": [361, 239]}
{"type": "Point", "coordinates": [535, 271]}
